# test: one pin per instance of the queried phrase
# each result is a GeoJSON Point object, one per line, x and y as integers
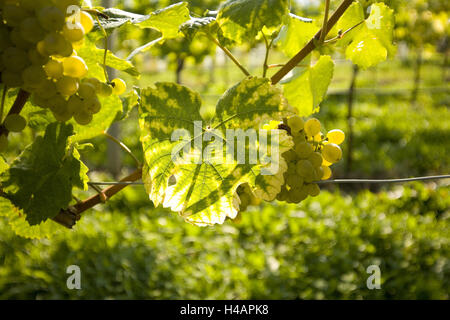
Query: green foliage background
{"type": "Point", "coordinates": [320, 249]}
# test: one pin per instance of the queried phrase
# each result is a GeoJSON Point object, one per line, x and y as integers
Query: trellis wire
{"type": "Point", "coordinates": [337, 181]}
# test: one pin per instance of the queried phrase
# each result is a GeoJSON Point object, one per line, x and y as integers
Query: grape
{"type": "Point", "coordinates": [51, 18]}
{"type": "Point", "coordinates": [64, 4]}
{"type": "Point", "coordinates": [66, 49]}
{"type": "Point", "coordinates": [31, 5]}
{"type": "Point", "coordinates": [54, 69]}
{"type": "Point", "coordinates": [304, 150]}
{"type": "Point", "coordinates": [75, 67]}
{"type": "Point", "coordinates": [67, 86]}
{"type": "Point", "coordinates": [47, 89]}
{"type": "Point", "coordinates": [86, 90]}
{"type": "Point", "coordinates": [336, 136]}
{"type": "Point", "coordinates": [15, 59]}
{"type": "Point", "coordinates": [92, 105]}
{"type": "Point", "coordinates": [297, 195]}
{"type": "Point", "coordinates": [305, 169]}
{"type": "Point", "coordinates": [290, 155]}
{"type": "Point", "coordinates": [36, 58]}
{"type": "Point", "coordinates": [74, 33]}
{"type": "Point", "coordinates": [18, 41]}
{"type": "Point", "coordinates": [63, 113]}
{"type": "Point", "coordinates": [57, 103]}
{"type": "Point", "coordinates": [292, 168]}
{"type": "Point", "coordinates": [12, 79]}
{"type": "Point", "coordinates": [326, 163]}
{"type": "Point", "coordinates": [312, 127]}
{"type": "Point", "coordinates": [94, 81]}
{"type": "Point", "coordinates": [332, 152]}
{"type": "Point", "coordinates": [295, 123]}
{"type": "Point", "coordinates": [319, 172]}
{"type": "Point", "coordinates": [15, 123]}
{"type": "Point", "coordinates": [105, 90]}
{"type": "Point", "coordinates": [38, 100]}
{"type": "Point", "coordinates": [86, 21]}
{"type": "Point", "coordinates": [119, 86]}
{"type": "Point", "coordinates": [283, 195]}
{"type": "Point", "coordinates": [34, 76]}
{"type": "Point", "coordinates": [83, 118]}
{"type": "Point", "coordinates": [31, 30]}
{"type": "Point", "coordinates": [312, 189]}
{"type": "Point", "coordinates": [299, 139]}
{"type": "Point", "coordinates": [316, 159]}
{"type": "Point", "coordinates": [13, 15]}
{"type": "Point", "coordinates": [326, 173]}
{"type": "Point", "coordinates": [54, 43]}
{"type": "Point", "coordinates": [75, 104]}
{"type": "Point", "coordinates": [294, 181]}
{"type": "Point", "coordinates": [5, 42]}
{"type": "Point", "coordinates": [40, 47]}
{"type": "Point", "coordinates": [3, 143]}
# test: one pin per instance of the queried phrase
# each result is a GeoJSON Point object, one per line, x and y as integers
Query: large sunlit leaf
{"type": "Point", "coordinates": [295, 34]}
{"type": "Point", "coordinates": [168, 20]}
{"type": "Point", "coordinates": [202, 188]}
{"type": "Point", "coordinates": [242, 20]}
{"type": "Point", "coordinates": [306, 91]}
{"type": "Point", "coordinates": [40, 180]}
{"type": "Point", "coordinates": [371, 42]}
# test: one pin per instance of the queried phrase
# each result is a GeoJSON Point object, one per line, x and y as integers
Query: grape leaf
{"type": "Point", "coordinates": [194, 25]}
{"type": "Point", "coordinates": [94, 56]}
{"type": "Point", "coordinates": [41, 179]}
{"type": "Point", "coordinates": [371, 42]}
{"type": "Point", "coordinates": [18, 223]}
{"type": "Point", "coordinates": [168, 20]}
{"type": "Point", "coordinates": [117, 18]}
{"type": "Point", "coordinates": [351, 17]}
{"type": "Point", "coordinates": [203, 192]}
{"type": "Point", "coordinates": [306, 91]}
{"type": "Point", "coordinates": [241, 20]}
{"type": "Point", "coordinates": [295, 34]}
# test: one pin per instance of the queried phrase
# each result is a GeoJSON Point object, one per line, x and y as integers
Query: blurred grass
{"type": "Point", "coordinates": [319, 250]}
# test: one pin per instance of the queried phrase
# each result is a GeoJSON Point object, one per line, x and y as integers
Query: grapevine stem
{"type": "Point", "coordinates": [340, 36]}
{"type": "Point", "coordinates": [2, 108]}
{"type": "Point", "coordinates": [123, 146]}
{"type": "Point", "coordinates": [106, 48]}
{"type": "Point", "coordinates": [69, 217]}
{"type": "Point", "coordinates": [325, 22]}
{"type": "Point", "coordinates": [229, 54]}
{"type": "Point", "coordinates": [21, 99]}
{"type": "Point", "coordinates": [266, 58]}
{"type": "Point", "coordinates": [311, 45]}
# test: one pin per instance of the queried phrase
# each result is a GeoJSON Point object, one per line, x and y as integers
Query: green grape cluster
{"type": "Point", "coordinates": [310, 159]}
{"type": "Point", "coordinates": [246, 197]}
{"type": "Point", "coordinates": [38, 39]}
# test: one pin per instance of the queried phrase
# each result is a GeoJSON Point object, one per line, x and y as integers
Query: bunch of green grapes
{"type": "Point", "coordinates": [38, 39]}
{"type": "Point", "coordinates": [310, 159]}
